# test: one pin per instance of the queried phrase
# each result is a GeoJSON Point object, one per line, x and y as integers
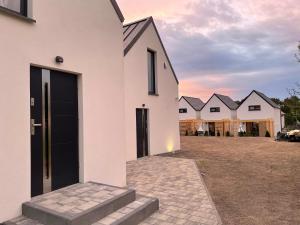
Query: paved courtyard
{"type": "Point", "coordinates": [253, 181]}
{"type": "Point", "coordinates": [183, 196]}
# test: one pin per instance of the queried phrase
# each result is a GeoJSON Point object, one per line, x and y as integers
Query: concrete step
{"type": "Point", "coordinates": [22, 221]}
{"type": "Point", "coordinates": [133, 213]}
{"type": "Point", "coordinates": [79, 204]}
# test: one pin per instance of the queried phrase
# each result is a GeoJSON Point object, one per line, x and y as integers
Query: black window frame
{"type": "Point", "coordinates": [183, 110]}
{"type": "Point", "coordinates": [253, 108]}
{"type": "Point", "coordinates": [153, 89]}
{"type": "Point", "coordinates": [23, 8]}
{"type": "Point", "coordinates": [215, 109]}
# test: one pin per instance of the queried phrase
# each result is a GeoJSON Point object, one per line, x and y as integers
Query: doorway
{"type": "Point", "coordinates": [54, 130]}
{"type": "Point", "coordinates": [212, 129]}
{"type": "Point", "coordinates": [252, 128]}
{"type": "Point", "coordinates": [142, 132]}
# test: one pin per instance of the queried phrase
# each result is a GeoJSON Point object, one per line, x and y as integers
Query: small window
{"type": "Point", "coordinates": [254, 108]}
{"type": "Point", "coordinates": [19, 6]}
{"type": "Point", "coordinates": [215, 109]}
{"type": "Point", "coordinates": [151, 73]}
{"type": "Point", "coordinates": [183, 110]}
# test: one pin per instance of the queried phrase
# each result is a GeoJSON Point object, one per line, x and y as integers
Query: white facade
{"type": "Point", "coordinates": [89, 35]}
{"type": "Point", "coordinates": [224, 114]}
{"type": "Point", "coordinates": [191, 113]}
{"type": "Point", "coordinates": [163, 108]}
{"type": "Point", "coordinates": [266, 112]}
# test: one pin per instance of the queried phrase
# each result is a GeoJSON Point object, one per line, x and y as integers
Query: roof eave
{"type": "Point", "coordinates": [136, 38]}
{"type": "Point", "coordinates": [118, 10]}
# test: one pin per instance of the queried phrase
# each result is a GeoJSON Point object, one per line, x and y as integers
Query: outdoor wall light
{"type": "Point", "coordinates": [59, 59]}
{"type": "Point", "coordinates": [144, 105]}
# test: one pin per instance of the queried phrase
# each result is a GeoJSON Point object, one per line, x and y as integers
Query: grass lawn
{"type": "Point", "coordinates": [253, 181]}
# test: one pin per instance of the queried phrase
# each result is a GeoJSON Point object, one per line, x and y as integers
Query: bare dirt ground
{"type": "Point", "coordinates": [253, 181]}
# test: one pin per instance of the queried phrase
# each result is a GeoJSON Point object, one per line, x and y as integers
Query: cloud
{"type": "Point", "coordinates": [228, 46]}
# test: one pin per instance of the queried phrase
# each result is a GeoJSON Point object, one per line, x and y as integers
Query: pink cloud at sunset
{"type": "Point", "coordinates": [192, 88]}
{"type": "Point", "coordinates": [227, 46]}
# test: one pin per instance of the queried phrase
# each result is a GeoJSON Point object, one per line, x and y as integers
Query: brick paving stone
{"type": "Point", "coordinates": [77, 198]}
{"type": "Point", "coordinates": [183, 196]}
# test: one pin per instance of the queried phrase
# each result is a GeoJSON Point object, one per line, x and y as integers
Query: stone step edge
{"type": "Point", "coordinates": [49, 217]}
{"type": "Point", "coordinates": [137, 215]}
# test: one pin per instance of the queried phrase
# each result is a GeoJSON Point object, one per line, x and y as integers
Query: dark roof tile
{"type": "Point", "coordinates": [196, 103]}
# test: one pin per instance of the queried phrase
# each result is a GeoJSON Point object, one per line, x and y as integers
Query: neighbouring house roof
{"type": "Point", "coordinates": [118, 10]}
{"type": "Point", "coordinates": [264, 97]}
{"type": "Point", "coordinates": [133, 31]}
{"type": "Point", "coordinates": [227, 101]}
{"type": "Point", "coordinates": [195, 103]}
{"type": "Point", "coordinates": [232, 105]}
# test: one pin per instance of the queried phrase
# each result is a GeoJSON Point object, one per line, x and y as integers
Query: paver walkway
{"type": "Point", "coordinates": [177, 183]}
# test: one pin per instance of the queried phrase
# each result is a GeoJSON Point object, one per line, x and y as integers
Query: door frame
{"type": "Point", "coordinates": [148, 132]}
{"type": "Point", "coordinates": [80, 113]}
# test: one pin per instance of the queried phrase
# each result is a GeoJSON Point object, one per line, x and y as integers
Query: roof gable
{"type": "Point", "coordinates": [132, 33]}
{"type": "Point", "coordinates": [226, 100]}
{"type": "Point", "coordinates": [264, 97]}
{"type": "Point", "coordinates": [195, 103]}
{"type": "Point", "coordinates": [118, 10]}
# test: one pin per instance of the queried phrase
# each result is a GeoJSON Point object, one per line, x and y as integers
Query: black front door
{"type": "Point", "coordinates": [54, 130]}
{"type": "Point", "coordinates": [142, 132]}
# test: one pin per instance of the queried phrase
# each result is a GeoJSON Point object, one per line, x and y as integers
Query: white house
{"type": "Point", "coordinates": [190, 108]}
{"type": "Point", "coordinates": [258, 114]}
{"type": "Point", "coordinates": [58, 58]}
{"type": "Point", "coordinates": [151, 93]}
{"type": "Point", "coordinates": [218, 115]}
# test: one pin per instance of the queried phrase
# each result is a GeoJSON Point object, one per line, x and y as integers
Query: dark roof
{"type": "Point", "coordinates": [228, 101]}
{"type": "Point", "coordinates": [195, 103]}
{"type": "Point", "coordinates": [232, 105]}
{"type": "Point", "coordinates": [133, 31]}
{"type": "Point", "coordinates": [118, 10]}
{"type": "Point", "coordinates": [264, 97]}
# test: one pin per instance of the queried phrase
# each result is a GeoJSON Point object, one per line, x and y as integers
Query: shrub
{"type": "Point", "coordinates": [267, 134]}
{"type": "Point", "coordinates": [206, 133]}
{"type": "Point", "coordinates": [227, 134]}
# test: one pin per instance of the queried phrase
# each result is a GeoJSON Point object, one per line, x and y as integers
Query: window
{"type": "Point", "coordinates": [215, 109]}
{"type": "Point", "coordinates": [184, 110]}
{"type": "Point", "coordinates": [19, 6]}
{"type": "Point", "coordinates": [254, 108]}
{"type": "Point", "coordinates": [151, 73]}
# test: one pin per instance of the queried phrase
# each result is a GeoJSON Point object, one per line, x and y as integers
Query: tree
{"type": "Point", "coordinates": [295, 91]}
{"type": "Point", "coordinates": [297, 55]}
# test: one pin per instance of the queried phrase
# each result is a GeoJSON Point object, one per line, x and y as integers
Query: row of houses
{"type": "Point", "coordinates": [220, 115]}
{"type": "Point", "coordinates": [81, 94]}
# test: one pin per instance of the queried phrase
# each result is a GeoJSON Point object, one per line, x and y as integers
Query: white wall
{"type": "Point", "coordinates": [267, 111]}
{"type": "Point", "coordinates": [191, 113]}
{"type": "Point", "coordinates": [278, 123]}
{"type": "Point", "coordinates": [88, 34]}
{"type": "Point", "coordinates": [224, 114]}
{"type": "Point", "coordinates": [163, 109]}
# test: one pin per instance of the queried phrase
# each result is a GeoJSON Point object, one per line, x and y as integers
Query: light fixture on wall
{"type": "Point", "coordinates": [59, 59]}
{"type": "Point", "coordinates": [143, 105]}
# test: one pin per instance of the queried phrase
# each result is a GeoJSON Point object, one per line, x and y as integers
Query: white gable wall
{"type": "Point", "coordinates": [163, 109]}
{"type": "Point", "coordinates": [278, 121]}
{"type": "Point", "coordinates": [224, 114]}
{"type": "Point", "coordinates": [89, 35]}
{"type": "Point", "coordinates": [267, 111]}
{"type": "Point", "coordinates": [191, 112]}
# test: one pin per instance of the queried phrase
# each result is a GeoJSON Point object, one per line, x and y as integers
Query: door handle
{"type": "Point", "coordinates": [33, 126]}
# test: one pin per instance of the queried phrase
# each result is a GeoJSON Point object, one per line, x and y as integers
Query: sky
{"type": "Point", "coordinates": [228, 47]}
